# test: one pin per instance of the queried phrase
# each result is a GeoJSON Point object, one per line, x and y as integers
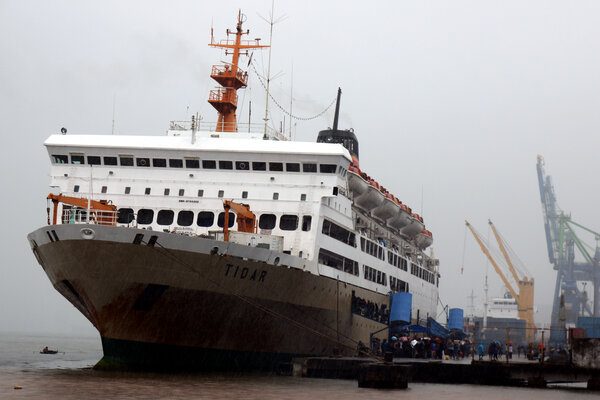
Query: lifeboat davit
{"type": "Point", "coordinates": [401, 218]}
{"type": "Point", "coordinates": [371, 198]}
{"type": "Point", "coordinates": [424, 239]}
{"type": "Point", "coordinates": [387, 209]}
{"type": "Point", "coordinates": [356, 183]}
{"type": "Point", "coordinates": [414, 227]}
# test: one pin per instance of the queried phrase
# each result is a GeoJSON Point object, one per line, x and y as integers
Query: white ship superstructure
{"type": "Point", "coordinates": [313, 247]}
{"type": "Point", "coordinates": [298, 190]}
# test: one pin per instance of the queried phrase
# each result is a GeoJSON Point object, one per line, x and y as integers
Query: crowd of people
{"type": "Point", "coordinates": [369, 309]}
{"type": "Point", "coordinates": [420, 347]}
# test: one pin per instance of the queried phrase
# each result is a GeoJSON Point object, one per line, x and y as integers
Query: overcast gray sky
{"type": "Point", "coordinates": [451, 102]}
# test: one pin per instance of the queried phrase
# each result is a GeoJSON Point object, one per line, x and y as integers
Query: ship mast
{"type": "Point", "coordinates": [230, 77]}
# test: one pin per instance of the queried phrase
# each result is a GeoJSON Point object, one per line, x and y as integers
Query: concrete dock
{"type": "Point", "coordinates": [515, 373]}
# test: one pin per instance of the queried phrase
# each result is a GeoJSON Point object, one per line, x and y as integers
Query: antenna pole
{"type": "Point", "coordinates": [113, 119]}
{"type": "Point", "coordinates": [271, 22]}
{"type": "Point", "coordinates": [291, 100]}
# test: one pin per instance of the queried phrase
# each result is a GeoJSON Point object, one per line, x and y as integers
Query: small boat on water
{"type": "Point", "coordinates": [46, 350]}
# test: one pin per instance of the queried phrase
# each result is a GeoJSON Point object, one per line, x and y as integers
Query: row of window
{"type": "Point", "coordinates": [337, 232]}
{"type": "Point", "coordinates": [194, 163]}
{"type": "Point", "coordinates": [397, 261]}
{"type": "Point", "coordinates": [167, 192]}
{"type": "Point", "coordinates": [398, 285]}
{"type": "Point", "coordinates": [145, 216]}
{"type": "Point", "coordinates": [373, 275]}
{"type": "Point", "coordinates": [371, 248]}
{"type": "Point", "coordinates": [337, 261]}
{"type": "Point", "coordinates": [422, 273]}
{"type": "Point", "coordinates": [345, 264]}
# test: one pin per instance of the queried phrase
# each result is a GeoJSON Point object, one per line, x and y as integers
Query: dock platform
{"type": "Point", "coordinates": [500, 373]}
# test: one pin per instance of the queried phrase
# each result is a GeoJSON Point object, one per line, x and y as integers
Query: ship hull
{"type": "Point", "coordinates": [187, 302]}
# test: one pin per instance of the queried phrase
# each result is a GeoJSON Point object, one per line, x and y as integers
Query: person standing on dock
{"type": "Point", "coordinates": [480, 351]}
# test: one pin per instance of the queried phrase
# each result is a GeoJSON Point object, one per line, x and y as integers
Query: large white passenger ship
{"type": "Point", "coordinates": [228, 246]}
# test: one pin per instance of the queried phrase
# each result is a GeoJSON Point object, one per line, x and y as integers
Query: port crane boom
{"type": "Point", "coordinates": [561, 241]}
{"type": "Point", "coordinates": [524, 295]}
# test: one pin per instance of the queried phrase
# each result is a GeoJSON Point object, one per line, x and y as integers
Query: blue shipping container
{"type": "Point", "coordinates": [455, 318]}
{"type": "Point", "coordinates": [401, 306]}
{"type": "Point", "coordinates": [590, 325]}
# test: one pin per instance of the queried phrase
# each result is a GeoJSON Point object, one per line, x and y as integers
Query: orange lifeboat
{"type": "Point", "coordinates": [414, 227]}
{"type": "Point", "coordinates": [401, 218]}
{"type": "Point", "coordinates": [371, 198]}
{"type": "Point", "coordinates": [356, 183]}
{"type": "Point", "coordinates": [424, 239]}
{"type": "Point", "coordinates": [387, 209]}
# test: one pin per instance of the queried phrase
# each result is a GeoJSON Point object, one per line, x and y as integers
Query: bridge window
{"type": "Point", "coordinates": [225, 164]}
{"type": "Point", "coordinates": [242, 165]}
{"type": "Point", "coordinates": [110, 160]}
{"type": "Point", "coordinates": [275, 166]}
{"type": "Point", "coordinates": [147, 191]}
{"type": "Point", "coordinates": [205, 218]}
{"type": "Point", "coordinates": [259, 166]}
{"type": "Point", "coordinates": [165, 217]}
{"type": "Point", "coordinates": [104, 189]}
{"type": "Point", "coordinates": [142, 162]}
{"type": "Point", "coordinates": [127, 189]}
{"type": "Point", "coordinates": [244, 194]}
{"type": "Point", "coordinates": [185, 218]}
{"type": "Point", "coordinates": [94, 160]}
{"type": "Point", "coordinates": [200, 192]}
{"type": "Point", "coordinates": [167, 191]}
{"type": "Point", "coordinates": [309, 167]}
{"type": "Point", "coordinates": [77, 159]}
{"type": "Point", "coordinates": [181, 192]}
{"type": "Point", "coordinates": [126, 161]}
{"type": "Point", "coordinates": [292, 167]}
{"type": "Point", "coordinates": [192, 163]}
{"type": "Point", "coordinates": [145, 216]}
{"type": "Point", "coordinates": [221, 193]}
{"type": "Point", "coordinates": [267, 221]}
{"type": "Point", "coordinates": [328, 168]}
{"type": "Point", "coordinates": [175, 163]}
{"type": "Point", "coordinates": [159, 162]}
{"type": "Point", "coordinates": [60, 159]}
{"type": "Point", "coordinates": [221, 220]}
{"type": "Point", "coordinates": [209, 164]}
{"type": "Point", "coordinates": [76, 188]}
{"type": "Point", "coordinates": [275, 196]}
{"type": "Point", "coordinates": [288, 222]}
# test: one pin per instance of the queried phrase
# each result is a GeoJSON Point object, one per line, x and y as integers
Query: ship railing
{"type": "Point", "coordinates": [98, 217]}
{"type": "Point", "coordinates": [230, 71]}
{"type": "Point", "coordinates": [223, 96]}
{"type": "Point", "coordinates": [242, 127]}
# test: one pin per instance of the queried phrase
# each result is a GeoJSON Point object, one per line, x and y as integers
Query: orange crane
{"type": "Point", "coordinates": [246, 218]}
{"type": "Point", "coordinates": [102, 211]}
{"type": "Point", "coordinates": [524, 295]}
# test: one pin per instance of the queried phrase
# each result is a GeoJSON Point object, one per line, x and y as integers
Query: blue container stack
{"type": "Point", "coordinates": [401, 306]}
{"type": "Point", "coordinates": [455, 320]}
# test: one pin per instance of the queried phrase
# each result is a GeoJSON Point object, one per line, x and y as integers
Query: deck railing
{"type": "Point", "coordinates": [80, 216]}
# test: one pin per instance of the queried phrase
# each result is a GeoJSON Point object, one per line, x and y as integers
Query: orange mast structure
{"type": "Point", "coordinates": [230, 77]}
